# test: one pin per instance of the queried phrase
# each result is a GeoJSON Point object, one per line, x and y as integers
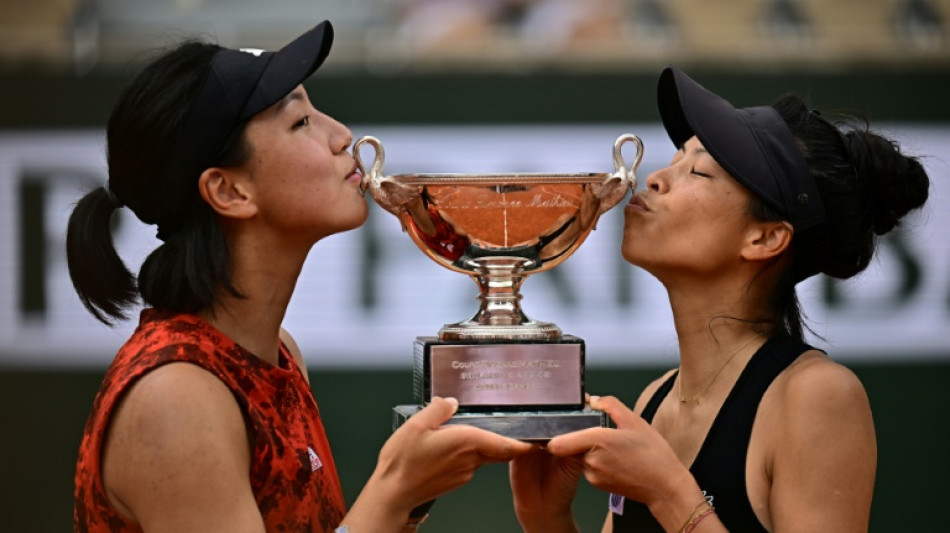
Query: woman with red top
{"type": "Point", "coordinates": [205, 420]}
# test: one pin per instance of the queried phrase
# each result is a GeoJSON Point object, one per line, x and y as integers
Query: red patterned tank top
{"type": "Point", "coordinates": [292, 474]}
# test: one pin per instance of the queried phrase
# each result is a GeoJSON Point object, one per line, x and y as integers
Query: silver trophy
{"type": "Point", "coordinates": [512, 375]}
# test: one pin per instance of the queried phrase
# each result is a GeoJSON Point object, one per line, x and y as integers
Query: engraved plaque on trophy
{"type": "Point", "coordinates": [512, 375]}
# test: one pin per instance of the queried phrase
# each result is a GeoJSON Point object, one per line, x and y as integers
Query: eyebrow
{"type": "Point", "coordinates": [697, 150]}
{"type": "Point", "coordinates": [295, 95]}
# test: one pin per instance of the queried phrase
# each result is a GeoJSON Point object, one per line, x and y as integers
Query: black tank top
{"type": "Point", "coordinates": [719, 467]}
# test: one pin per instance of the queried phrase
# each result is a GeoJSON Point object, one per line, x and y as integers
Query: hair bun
{"type": "Point", "coordinates": [897, 183]}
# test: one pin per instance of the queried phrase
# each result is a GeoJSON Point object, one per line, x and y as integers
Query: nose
{"type": "Point", "coordinates": [658, 180]}
{"type": "Point", "coordinates": [341, 137]}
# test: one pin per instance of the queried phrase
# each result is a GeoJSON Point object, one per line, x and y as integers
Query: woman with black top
{"type": "Point", "coordinates": [755, 430]}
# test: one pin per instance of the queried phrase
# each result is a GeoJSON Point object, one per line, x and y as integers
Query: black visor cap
{"type": "Point", "coordinates": [241, 84]}
{"type": "Point", "coordinates": [755, 146]}
{"type": "Point", "coordinates": [238, 85]}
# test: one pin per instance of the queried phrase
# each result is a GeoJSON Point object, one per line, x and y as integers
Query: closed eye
{"type": "Point", "coordinates": [698, 173]}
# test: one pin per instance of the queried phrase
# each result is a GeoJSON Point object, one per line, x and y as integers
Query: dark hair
{"type": "Point", "coordinates": [866, 185]}
{"type": "Point", "coordinates": [194, 261]}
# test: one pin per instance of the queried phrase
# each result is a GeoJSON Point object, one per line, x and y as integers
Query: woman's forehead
{"type": "Point", "coordinates": [290, 101]}
{"type": "Point", "coordinates": [694, 147]}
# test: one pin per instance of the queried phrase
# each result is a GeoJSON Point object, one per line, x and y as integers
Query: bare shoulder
{"type": "Point", "coordinates": [819, 452]}
{"type": "Point", "coordinates": [294, 350]}
{"type": "Point", "coordinates": [178, 437]}
{"type": "Point", "coordinates": [650, 390]}
{"type": "Point", "coordinates": [815, 380]}
{"type": "Point", "coordinates": [168, 415]}
{"type": "Point", "coordinates": [816, 399]}
{"type": "Point", "coordinates": [174, 396]}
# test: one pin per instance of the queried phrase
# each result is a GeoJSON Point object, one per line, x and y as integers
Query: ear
{"type": "Point", "coordinates": [767, 240]}
{"type": "Point", "coordinates": [226, 191]}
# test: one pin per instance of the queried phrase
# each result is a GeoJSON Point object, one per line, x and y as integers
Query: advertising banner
{"type": "Point", "coordinates": [363, 296]}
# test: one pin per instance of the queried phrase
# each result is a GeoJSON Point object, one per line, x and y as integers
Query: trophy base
{"type": "Point", "coordinates": [522, 425]}
{"type": "Point", "coordinates": [509, 375]}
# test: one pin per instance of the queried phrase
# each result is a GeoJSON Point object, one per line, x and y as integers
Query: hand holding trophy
{"type": "Point", "coordinates": [512, 375]}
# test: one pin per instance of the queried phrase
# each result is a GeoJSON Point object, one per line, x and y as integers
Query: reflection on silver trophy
{"type": "Point", "coordinates": [511, 374]}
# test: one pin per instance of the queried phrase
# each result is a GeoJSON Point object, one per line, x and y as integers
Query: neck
{"type": "Point", "coordinates": [707, 389]}
{"type": "Point", "coordinates": [254, 328]}
{"type": "Point", "coordinates": [715, 333]}
{"type": "Point", "coordinates": [254, 320]}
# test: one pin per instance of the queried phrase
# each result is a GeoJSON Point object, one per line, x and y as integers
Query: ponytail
{"type": "Point", "coordinates": [102, 281]}
{"type": "Point", "coordinates": [184, 273]}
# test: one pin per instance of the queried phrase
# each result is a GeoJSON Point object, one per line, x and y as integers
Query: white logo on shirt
{"type": "Point", "coordinates": [315, 462]}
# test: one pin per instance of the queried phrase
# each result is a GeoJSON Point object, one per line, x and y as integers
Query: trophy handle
{"type": "Point", "coordinates": [619, 165]}
{"type": "Point", "coordinates": [624, 178]}
{"type": "Point", "coordinates": [375, 172]}
{"type": "Point", "coordinates": [388, 193]}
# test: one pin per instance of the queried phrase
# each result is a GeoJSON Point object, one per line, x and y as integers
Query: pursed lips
{"type": "Point", "coordinates": [637, 202]}
{"type": "Point", "coordinates": [354, 174]}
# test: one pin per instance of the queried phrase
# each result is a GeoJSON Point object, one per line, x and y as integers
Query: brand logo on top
{"type": "Point", "coordinates": [315, 462]}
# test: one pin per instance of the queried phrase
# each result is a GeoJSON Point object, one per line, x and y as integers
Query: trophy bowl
{"type": "Point", "coordinates": [514, 375]}
{"type": "Point", "coordinates": [499, 228]}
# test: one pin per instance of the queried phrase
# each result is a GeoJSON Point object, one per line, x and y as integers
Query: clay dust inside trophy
{"type": "Point", "coordinates": [516, 373]}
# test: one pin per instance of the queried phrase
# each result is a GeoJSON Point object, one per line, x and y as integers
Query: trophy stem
{"type": "Point", "coordinates": [499, 315]}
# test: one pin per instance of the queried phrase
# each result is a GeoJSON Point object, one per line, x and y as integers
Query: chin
{"type": "Point", "coordinates": [342, 222]}
{"type": "Point", "coordinates": [635, 254]}
{"type": "Point", "coordinates": [627, 255]}
{"type": "Point", "coordinates": [359, 217]}
{"type": "Point", "coordinates": [628, 246]}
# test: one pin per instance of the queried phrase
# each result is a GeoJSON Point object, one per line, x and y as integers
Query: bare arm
{"type": "Point", "coordinates": [406, 474]}
{"type": "Point", "coordinates": [544, 486]}
{"type": "Point", "coordinates": [177, 455]}
{"type": "Point", "coordinates": [825, 457]}
{"type": "Point", "coordinates": [638, 408]}
{"type": "Point", "coordinates": [635, 460]}
{"type": "Point", "coordinates": [822, 460]}
{"type": "Point", "coordinates": [608, 524]}
{"type": "Point", "coordinates": [422, 461]}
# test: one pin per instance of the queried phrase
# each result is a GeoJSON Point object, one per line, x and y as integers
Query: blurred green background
{"type": "Point", "coordinates": [413, 62]}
